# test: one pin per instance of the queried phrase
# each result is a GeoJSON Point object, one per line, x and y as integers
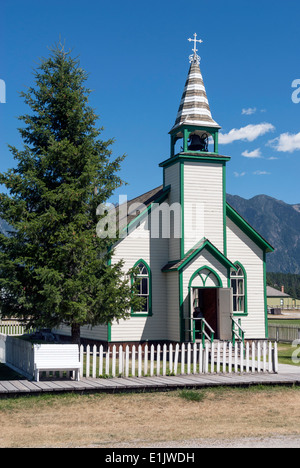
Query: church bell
{"type": "Point", "coordinates": [197, 143]}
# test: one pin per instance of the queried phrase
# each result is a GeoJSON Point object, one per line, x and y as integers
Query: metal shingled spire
{"type": "Point", "coordinates": [194, 106]}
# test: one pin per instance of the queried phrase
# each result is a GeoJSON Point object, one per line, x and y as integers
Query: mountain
{"type": "Point", "coordinates": [279, 223]}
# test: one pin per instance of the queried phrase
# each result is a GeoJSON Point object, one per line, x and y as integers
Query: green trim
{"type": "Point", "coordinates": [224, 210]}
{"type": "Point", "coordinates": [198, 273]}
{"type": "Point", "coordinates": [195, 251]}
{"type": "Point", "coordinates": [143, 314]}
{"type": "Point", "coordinates": [184, 131]}
{"type": "Point", "coordinates": [109, 324]}
{"type": "Point", "coordinates": [181, 308]}
{"type": "Point", "coordinates": [181, 178]}
{"type": "Point", "coordinates": [245, 313]}
{"type": "Point", "coordinates": [147, 211]}
{"type": "Point", "coordinates": [203, 157]}
{"type": "Point", "coordinates": [265, 296]}
{"type": "Point", "coordinates": [247, 229]}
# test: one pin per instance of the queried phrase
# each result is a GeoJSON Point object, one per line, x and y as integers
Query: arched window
{"type": "Point", "coordinates": [239, 287]}
{"type": "Point", "coordinates": [143, 279]}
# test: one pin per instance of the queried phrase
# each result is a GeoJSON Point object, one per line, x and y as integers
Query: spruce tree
{"type": "Point", "coordinates": [54, 269]}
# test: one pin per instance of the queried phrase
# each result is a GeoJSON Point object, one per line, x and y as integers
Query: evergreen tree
{"type": "Point", "coordinates": [54, 269]}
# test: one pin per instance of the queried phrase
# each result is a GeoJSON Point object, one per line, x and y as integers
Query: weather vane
{"type": "Point", "coordinates": [195, 57]}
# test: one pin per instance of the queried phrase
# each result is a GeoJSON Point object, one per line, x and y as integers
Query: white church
{"type": "Point", "coordinates": [202, 267]}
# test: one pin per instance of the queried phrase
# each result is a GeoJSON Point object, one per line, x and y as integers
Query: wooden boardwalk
{"type": "Point", "coordinates": [286, 376]}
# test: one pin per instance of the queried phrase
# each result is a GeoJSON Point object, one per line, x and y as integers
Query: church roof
{"type": "Point", "coordinates": [194, 106]}
{"type": "Point", "coordinates": [137, 205]}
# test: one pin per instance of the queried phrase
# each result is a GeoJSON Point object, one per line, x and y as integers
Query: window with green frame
{"type": "Point", "coordinates": [143, 279]}
{"type": "Point", "coordinates": [238, 280]}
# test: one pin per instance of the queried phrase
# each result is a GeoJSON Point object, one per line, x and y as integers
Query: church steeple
{"type": "Point", "coordinates": [194, 121]}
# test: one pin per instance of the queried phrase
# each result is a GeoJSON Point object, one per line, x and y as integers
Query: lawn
{"type": "Point", "coordinates": [141, 419]}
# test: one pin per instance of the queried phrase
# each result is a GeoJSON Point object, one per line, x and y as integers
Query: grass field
{"type": "Point", "coordinates": [134, 420]}
{"type": "Point", "coordinates": [144, 419]}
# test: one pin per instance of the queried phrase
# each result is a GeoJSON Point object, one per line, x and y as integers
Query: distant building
{"type": "Point", "coordinates": [278, 299]}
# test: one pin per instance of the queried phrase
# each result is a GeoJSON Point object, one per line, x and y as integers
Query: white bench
{"type": "Point", "coordinates": [56, 357]}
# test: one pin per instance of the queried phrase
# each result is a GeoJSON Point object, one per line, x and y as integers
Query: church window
{"type": "Point", "coordinates": [143, 279]}
{"type": "Point", "coordinates": [238, 285]}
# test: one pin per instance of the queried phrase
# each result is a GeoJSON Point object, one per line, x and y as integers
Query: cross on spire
{"type": "Point", "coordinates": [195, 57]}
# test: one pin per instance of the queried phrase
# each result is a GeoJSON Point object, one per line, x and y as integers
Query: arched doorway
{"type": "Point", "coordinates": [203, 290]}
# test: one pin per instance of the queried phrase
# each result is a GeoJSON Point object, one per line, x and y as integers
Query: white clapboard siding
{"type": "Point", "coordinates": [136, 246]}
{"type": "Point", "coordinates": [172, 179]}
{"type": "Point", "coordinates": [179, 359]}
{"type": "Point", "coordinates": [203, 190]}
{"type": "Point", "coordinates": [241, 248]}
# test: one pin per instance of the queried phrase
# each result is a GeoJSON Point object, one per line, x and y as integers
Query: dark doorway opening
{"type": "Point", "coordinates": [206, 300]}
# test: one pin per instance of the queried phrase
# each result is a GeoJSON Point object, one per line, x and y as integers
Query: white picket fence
{"type": "Point", "coordinates": [12, 328]}
{"type": "Point", "coordinates": [179, 359]}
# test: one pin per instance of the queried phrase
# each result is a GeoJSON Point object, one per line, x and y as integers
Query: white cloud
{"type": "Point", "coordinates": [239, 174]}
{"type": "Point", "coordinates": [248, 133]}
{"type": "Point", "coordinates": [286, 142]}
{"type": "Point", "coordinates": [252, 154]}
{"type": "Point", "coordinates": [249, 111]}
{"type": "Point", "coordinates": [261, 173]}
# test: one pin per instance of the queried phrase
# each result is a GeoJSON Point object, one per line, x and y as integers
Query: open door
{"type": "Point", "coordinates": [225, 313]}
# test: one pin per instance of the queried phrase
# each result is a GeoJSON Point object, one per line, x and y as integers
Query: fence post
{"type": "Point", "coordinates": [113, 370]}
{"type": "Point", "coordinates": [127, 361]}
{"type": "Point", "coordinates": [164, 370]}
{"type": "Point", "coordinates": [194, 358]}
{"type": "Point", "coordinates": [107, 361]}
{"type": "Point", "coordinates": [258, 356]}
{"type": "Point", "coordinates": [206, 353]}
{"type": "Point", "coordinates": [236, 358]}
{"type": "Point", "coordinates": [218, 357]}
{"type": "Point", "coordinates": [270, 357]}
{"type": "Point", "coordinates": [101, 360]}
{"type": "Point", "coordinates": [152, 361]}
{"type": "Point", "coordinates": [247, 357]}
{"type": "Point", "coordinates": [171, 358]}
{"type": "Point", "coordinates": [139, 361]}
{"type": "Point", "coordinates": [94, 361]}
{"type": "Point", "coordinates": [158, 360]}
{"type": "Point", "coordinates": [224, 356]}
{"type": "Point", "coordinates": [230, 357]}
{"type": "Point", "coordinates": [253, 356]}
{"type": "Point", "coordinates": [146, 359]}
{"type": "Point", "coordinates": [120, 360]}
{"type": "Point", "coordinates": [264, 356]}
{"type": "Point", "coordinates": [241, 357]}
{"type": "Point", "coordinates": [182, 359]}
{"type": "Point", "coordinates": [87, 365]}
{"type": "Point", "coordinates": [275, 358]}
{"type": "Point", "coordinates": [133, 361]}
{"type": "Point", "coordinates": [81, 360]}
{"type": "Point", "coordinates": [176, 358]}
{"type": "Point", "coordinates": [189, 358]}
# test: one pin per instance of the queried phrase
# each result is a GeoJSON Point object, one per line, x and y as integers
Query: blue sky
{"type": "Point", "coordinates": [137, 56]}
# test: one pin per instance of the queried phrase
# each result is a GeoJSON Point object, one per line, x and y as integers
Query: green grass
{"type": "Point", "coordinates": [284, 322]}
{"type": "Point", "coordinates": [285, 352]}
{"type": "Point", "coordinates": [192, 395]}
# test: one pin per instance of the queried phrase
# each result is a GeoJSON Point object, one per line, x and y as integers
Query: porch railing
{"type": "Point", "coordinates": [205, 330]}
{"type": "Point", "coordinates": [237, 332]}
